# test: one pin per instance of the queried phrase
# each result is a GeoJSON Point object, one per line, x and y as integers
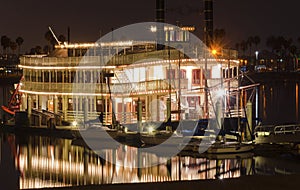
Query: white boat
{"type": "Point", "coordinates": [162, 137]}
{"type": "Point", "coordinates": [229, 147]}
{"type": "Point", "coordinates": [100, 133]}
{"type": "Point", "coordinates": [277, 134]}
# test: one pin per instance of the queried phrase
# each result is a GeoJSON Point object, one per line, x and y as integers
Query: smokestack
{"type": "Point", "coordinates": [208, 22]}
{"type": "Point", "coordinates": [69, 35]}
{"type": "Point", "coordinates": [160, 17]}
{"type": "Point", "coordinates": [160, 11]}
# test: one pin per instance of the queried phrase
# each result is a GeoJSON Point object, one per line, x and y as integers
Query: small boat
{"type": "Point", "coordinates": [162, 137]}
{"type": "Point", "coordinates": [225, 156]}
{"type": "Point", "coordinates": [95, 144]}
{"type": "Point", "coordinates": [98, 132]}
{"type": "Point", "coordinates": [97, 137]}
{"type": "Point", "coordinates": [229, 147]}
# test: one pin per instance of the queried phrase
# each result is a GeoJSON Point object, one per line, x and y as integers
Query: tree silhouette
{"type": "Point", "coordinates": [256, 41]}
{"type": "Point", "coordinates": [36, 50]}
{"type": "Point", "coordinates": [13, 46]}
{"type": "Point", "coordinates": [237, 46]}
{"type": "Point", "coordinates": [5, 43]}
{"type": "Point", "coordinates": [51, 40]}
{"type": "Point", "coordinates": [19, 41]}
{"type": "Point", "coordinates": [61, 38]}
{"type": "Point", "coordinates": [244, 46]}
{"type": "Point", "coordinates": [46, 49]}
{"type": "Point", "coordinates": [298, 40]}
{"type": "Point", "coordinates": [250, 41]}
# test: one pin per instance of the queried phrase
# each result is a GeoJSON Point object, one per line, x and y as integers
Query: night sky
{"type": "Point", "coordinates": [240, 18]}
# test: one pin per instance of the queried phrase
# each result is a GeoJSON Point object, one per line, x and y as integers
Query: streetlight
{"type": "Point", "coordinates": [256, 57]}
{"type": "Point", "coordinates": [214, 52]}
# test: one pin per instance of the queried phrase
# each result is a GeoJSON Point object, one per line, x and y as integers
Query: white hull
{"type": "Point", "coordinates": [162, 138]}
{"type": "Point", "coordinates": [229, 148]}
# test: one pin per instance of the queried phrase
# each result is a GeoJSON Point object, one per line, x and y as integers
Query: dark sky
{"type": "Point", "coordinates": [240, 18]}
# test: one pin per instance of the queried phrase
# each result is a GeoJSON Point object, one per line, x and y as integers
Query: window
{"type": "Point", "coordinates": [59, 77]}
{"type": "Point", "coordinates": [196, 76]}
{"type": "Point", "coordinates": [73, 75]}
{"type": "Point", "coordinates": [182, 73]}
{"type": "Point", "coordinates": [46, 76]}
{"type": "Point", "coordinates": [170, 74]}
{"type": "Point", "coordinates": [53, 75]}
{"type": "Point", "coordinates": [33, 76]}
{"type": "Point", "coordinates": [70, 104]}
{"type": "Point", "coordinates": [87, 77]}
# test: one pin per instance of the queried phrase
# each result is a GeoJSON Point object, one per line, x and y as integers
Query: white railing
{"type": "Point", "coordinates": [266, 130]}
{"type": "Point", "coordinates": [122, 117]}
{"type": "Point", "coordinates": [286, 129]}
{"type": "Point", "coordinates": [98, 60]}
{"type": "Point", "coordinates": [117, 88]}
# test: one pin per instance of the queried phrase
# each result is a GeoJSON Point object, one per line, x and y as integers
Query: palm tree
{"type": "Point", "coordinates": [51, 40]}
{"type": "Point", "coordinates": [250, 41]}
{"type": "Point", "coordinates": [293, 54]}
{"type": "Point", "coordinates": [5, 42]}
{"type": "Point", "coordinates": [38, 50]}
{"type": "Point", "coordinates": [13, 46]}
{"type": "Point", "coordinates": [244, 46]}
{"type": "Point", "coordinates": [46, 49]}
{"type": "Point", "coordinates": [298, 40]}
{"type": "Point", "coordinates": [19, 41]}
{"type": "Point", "coordinates": [272, 42]}
{"type": "Point", "coordinates": [256, 41]}
{"type": "Point", "coordinates": [61, 38]}
{"type": "Point", "coordinates": [237, 46]}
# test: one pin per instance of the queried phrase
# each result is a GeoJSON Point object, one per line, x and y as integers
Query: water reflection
{"type": "Point", "coordinates": [9, 165]}
{"type": "Point", "coordinates": [35, 162]}
{"type": "Point", "coordinates": [276, 96]}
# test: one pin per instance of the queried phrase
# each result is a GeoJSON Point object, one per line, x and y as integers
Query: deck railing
{"type": "Point", "coordinates": [99, 60]}
{"type": "Point", "coordinates": [117, 88]}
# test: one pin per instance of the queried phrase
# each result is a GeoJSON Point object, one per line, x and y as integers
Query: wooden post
{"type": "Point", "coordinates": [169, 111]}
{"type": "Point", "coordinates": [86, 109]}
{"type": "Point", "coordinates": [139, 115]}
{"type": "Point", "coordinates": [55, 104]}
{"type": "Point", "coordinates": [249, 119]}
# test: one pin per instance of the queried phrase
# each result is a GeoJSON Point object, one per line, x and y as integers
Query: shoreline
{"type": "Point", "coordinates": [258, 182]}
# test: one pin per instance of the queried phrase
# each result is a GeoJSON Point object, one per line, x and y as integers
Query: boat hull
{"type": "Point", "coordinates": [229, 148]}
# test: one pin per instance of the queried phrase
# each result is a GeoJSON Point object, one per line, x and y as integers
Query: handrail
{"type": "Point", "coordinates": [278, 129]}
{"type": "Point", "coordinates": [284, 129]}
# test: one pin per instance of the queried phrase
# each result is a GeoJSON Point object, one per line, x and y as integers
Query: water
{"type": "Point", "coordinates": [37, 161]}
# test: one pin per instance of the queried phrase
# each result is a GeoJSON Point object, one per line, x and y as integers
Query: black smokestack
{"type": "Point", "coordinates": [69, 35]}
{"type": "Point", "coordinates": [160, 17]}
{"type": "Point", "coordinates": [208, 22]}
{"type": "Point", "coordinates": [160, 11]}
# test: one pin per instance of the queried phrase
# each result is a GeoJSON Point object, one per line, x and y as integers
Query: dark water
{"type": "Point", "coordinates": [36, 161]}
{"type": "Point", "coordinates": [278, 97]}
{"type": "Point", "coordinates": [279, 103]}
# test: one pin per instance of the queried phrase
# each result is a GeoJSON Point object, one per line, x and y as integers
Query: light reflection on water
{"type": "Point", "coordinates": [52, 162]}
